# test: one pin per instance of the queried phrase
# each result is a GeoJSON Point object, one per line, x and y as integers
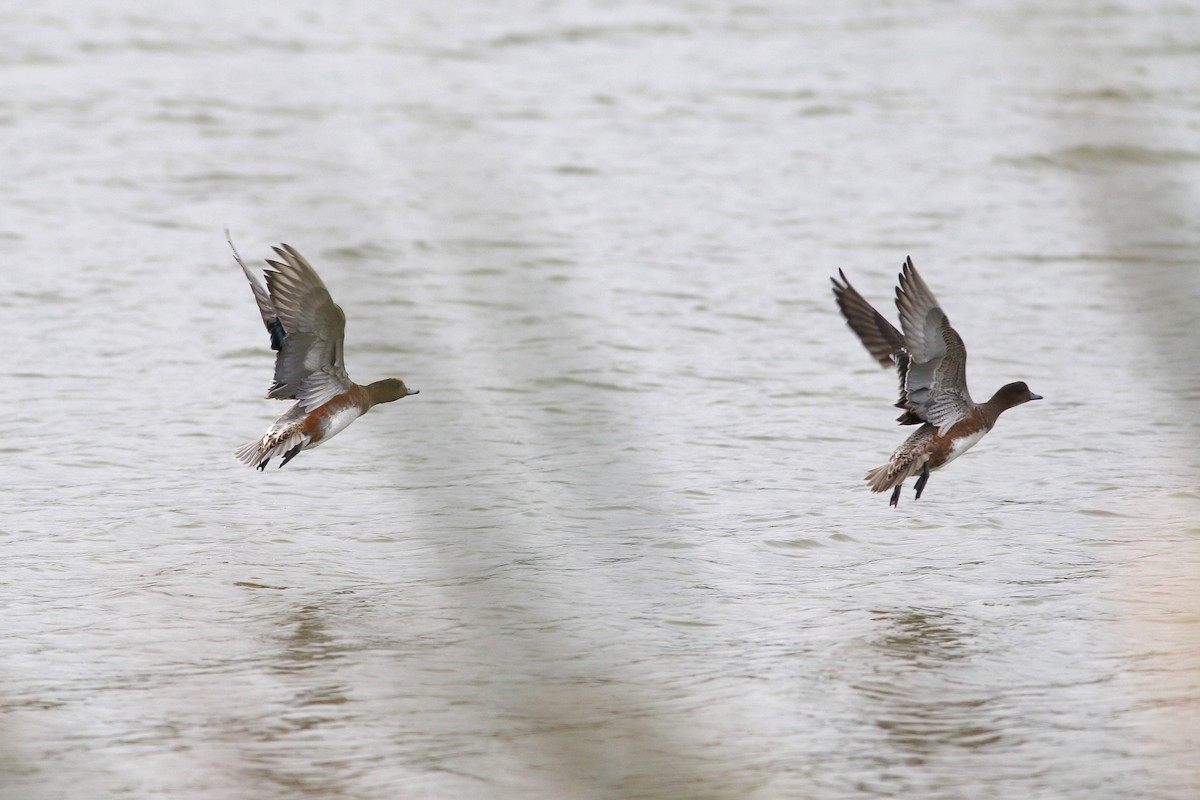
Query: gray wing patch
{"type": "Point", "coordinates": [320, 388]}
{"type": "Point", "coordinates": [307, 329]}
{"type": "Point", "coordinates": [937, 389]}
{"type": "Point", "coordinates": [935, 384]}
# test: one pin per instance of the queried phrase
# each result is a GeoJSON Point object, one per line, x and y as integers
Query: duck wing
{"type": "Point", "coordinates": [935, 383]}
{"type": "Point", "coordinates": [307, 330]}
{"type": "Point", "coordinates": [880, 337]}
{"type": "Point", "coordinates": [265, 307]}
{"type": "Point", "coordinates": [310, 367]}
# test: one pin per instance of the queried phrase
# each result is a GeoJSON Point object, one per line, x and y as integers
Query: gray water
{"type": "Point", "coordinates": [619, 546]}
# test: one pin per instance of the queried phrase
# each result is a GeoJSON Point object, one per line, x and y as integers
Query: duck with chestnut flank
{"type": "Point", "coordinates": [931, 360]}
{"type": "Point", "coordinates": [306, 329]}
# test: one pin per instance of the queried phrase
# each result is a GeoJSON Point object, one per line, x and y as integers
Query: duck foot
{"type": "Point", "coordinates": [921, 482]}
{"type": "Point", "coordinates": [896, 496]}
{"type": "Point", "coordinates": [290, 454]}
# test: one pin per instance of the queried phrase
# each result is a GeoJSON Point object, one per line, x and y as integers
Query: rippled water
{"type": "Point", "coordinates": [619, 546]}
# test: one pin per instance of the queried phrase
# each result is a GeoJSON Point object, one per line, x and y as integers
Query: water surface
{"type": "Point", "coordinates": [619, 546]}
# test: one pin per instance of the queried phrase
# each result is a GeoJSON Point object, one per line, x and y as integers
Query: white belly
{"type": "Point", "coordinates": [963, 445]}
{"type": "Point", "coordinates": [338, 423]}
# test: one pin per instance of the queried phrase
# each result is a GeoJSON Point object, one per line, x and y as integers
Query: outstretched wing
{"type": "Point", "coordinates": [265, 307]}
{"type": "Point", "coordinates": [310, 367]}
{"type": "Point", "coordinates": [935, 384]}
{"type": "Point", "coordinates": [307, 329]}
{"type": "Point", "coordinates": [880, 337]}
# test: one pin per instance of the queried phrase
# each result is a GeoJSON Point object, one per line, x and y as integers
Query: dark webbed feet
{"type": "Point", "coordinates": [921, 481]}
{"type": "Point", "coordinates": [263, 464]}
{"type": "Point", "coordinates": [290, 454]}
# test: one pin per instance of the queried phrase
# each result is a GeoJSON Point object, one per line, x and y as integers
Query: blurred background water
{"type": "Point", "coordinates": [619, 546]}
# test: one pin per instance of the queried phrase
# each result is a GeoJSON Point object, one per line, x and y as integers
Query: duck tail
{"type": "Point", "coordinates": [909, 459]}
{"type": "Point", "coordinates": [260, 451]}
{"type": "Point", "coordinates": [250, 453]}
{"type": "Point", "coordinates": [902, 466]}
{"type": "Point", "coordinates": [886, 477]}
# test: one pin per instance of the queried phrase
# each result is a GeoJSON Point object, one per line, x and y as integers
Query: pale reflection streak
{"type": "Point", "coordinates": [1143, 216]}
{"type": "Point", "coordinates": [544, 686]}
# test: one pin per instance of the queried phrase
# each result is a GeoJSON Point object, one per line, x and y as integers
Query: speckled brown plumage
{"type": "Point", "coordinates": [931, 361]}
{"type": "Point", "coordinates": [307, 330]}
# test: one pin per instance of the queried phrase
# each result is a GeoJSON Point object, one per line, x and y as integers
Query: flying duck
{"type": "Point", "coordinates": [931, 360]}
{"type": "Point", "coordinates": [306, 329]}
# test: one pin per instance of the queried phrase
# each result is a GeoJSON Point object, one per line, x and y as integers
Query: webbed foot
{"type": "Point", "coordinates": [921, 481]}
{"type": "Point", "coordinates": [290, 454]}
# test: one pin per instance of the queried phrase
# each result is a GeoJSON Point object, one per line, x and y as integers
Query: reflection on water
{"type": "Point", "coordinates": [918, 703]}
{"type": "Point", "coordinates": [620, 547]}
